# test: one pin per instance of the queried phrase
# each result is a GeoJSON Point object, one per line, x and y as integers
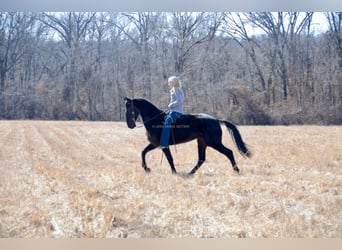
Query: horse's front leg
{"type": "Point", "coordinates": [169, 158]}
{"type": "Point", "coordinates": [143, 156]}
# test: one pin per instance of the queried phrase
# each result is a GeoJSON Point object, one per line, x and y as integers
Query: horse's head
{"type": "Point", "coordinates": [132, 113]}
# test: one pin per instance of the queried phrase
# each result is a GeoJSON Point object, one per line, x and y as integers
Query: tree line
{"type": "Point", "coordinates": [80, 65]}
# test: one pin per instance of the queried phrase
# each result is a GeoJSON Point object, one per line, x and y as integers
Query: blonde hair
{"type": "Point", "coordinates": [176, 81]}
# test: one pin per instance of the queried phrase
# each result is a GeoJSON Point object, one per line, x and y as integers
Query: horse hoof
{"type": "Point", "coordinates": [190, 175]}
{"type": "Point", "coordinates": [185, 175]}
{"type": "Point", "coordinates": [147, 170]}
{"type": "Point", "coordinates": [236, 169]}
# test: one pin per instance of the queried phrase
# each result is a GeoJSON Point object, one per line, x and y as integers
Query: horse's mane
{"type": "Point", "coordinates": [146, 104]}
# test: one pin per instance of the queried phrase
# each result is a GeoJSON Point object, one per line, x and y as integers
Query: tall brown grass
{"type": "Point", "coordinates": [84, 179]}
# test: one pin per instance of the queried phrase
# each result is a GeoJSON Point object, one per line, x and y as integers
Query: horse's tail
{"type": "Point", "coordinates": [234, 132]}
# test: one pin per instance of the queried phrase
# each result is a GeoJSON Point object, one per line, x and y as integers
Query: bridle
{"type": "Point", "coordinates": [132, 112]}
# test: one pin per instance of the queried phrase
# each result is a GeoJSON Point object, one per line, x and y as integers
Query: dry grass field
{"type": "Point", "coordinates": [84, 179]}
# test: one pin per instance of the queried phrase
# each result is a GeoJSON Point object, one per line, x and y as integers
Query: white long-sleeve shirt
{"type": "Point", "coordinates": [177, 100]}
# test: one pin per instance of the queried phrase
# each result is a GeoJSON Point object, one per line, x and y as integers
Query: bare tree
{"type": "Point", "coordinates": [281, 29]}
{"type": "Point", "coordinates": [187, 30]}
{"type": "Point", "coordinates": [15, 33]}
{"type": "Point", "coordinates": [140, 30]}
{"type": "Point", "coordinates": [335, 28]}
{"type": "Point", "coordinates": [71, 27]}
{"type": "Point", "coordinates": [335, 32]}
{"type": "Point", "coordinates": [235, 25]}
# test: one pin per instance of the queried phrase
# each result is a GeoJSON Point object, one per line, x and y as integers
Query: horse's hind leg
{"type": "Point", "coordinates": [169, 159]}
{"type": "Point", "coordinates": [227, 152]}
{"type": "Point", "coordinates": [143, 156]}
{"type": "Point", "coordinates": [201, 155]}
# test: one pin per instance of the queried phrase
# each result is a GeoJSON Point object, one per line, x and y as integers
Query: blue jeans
{"type": "Point", "coordinates": [170, 118]}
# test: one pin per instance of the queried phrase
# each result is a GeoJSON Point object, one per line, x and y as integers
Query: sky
{"type": "Point", "coordinates": [319, 24]}
{"type": "Point", "coordinates": [174, 5]}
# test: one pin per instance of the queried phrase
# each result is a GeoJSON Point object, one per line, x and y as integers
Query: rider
{"type": "Point", "coordinates": [176, 109]}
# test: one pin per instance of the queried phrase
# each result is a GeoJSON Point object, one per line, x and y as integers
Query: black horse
{"type": "Point", "coordinates": [204, 127]}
